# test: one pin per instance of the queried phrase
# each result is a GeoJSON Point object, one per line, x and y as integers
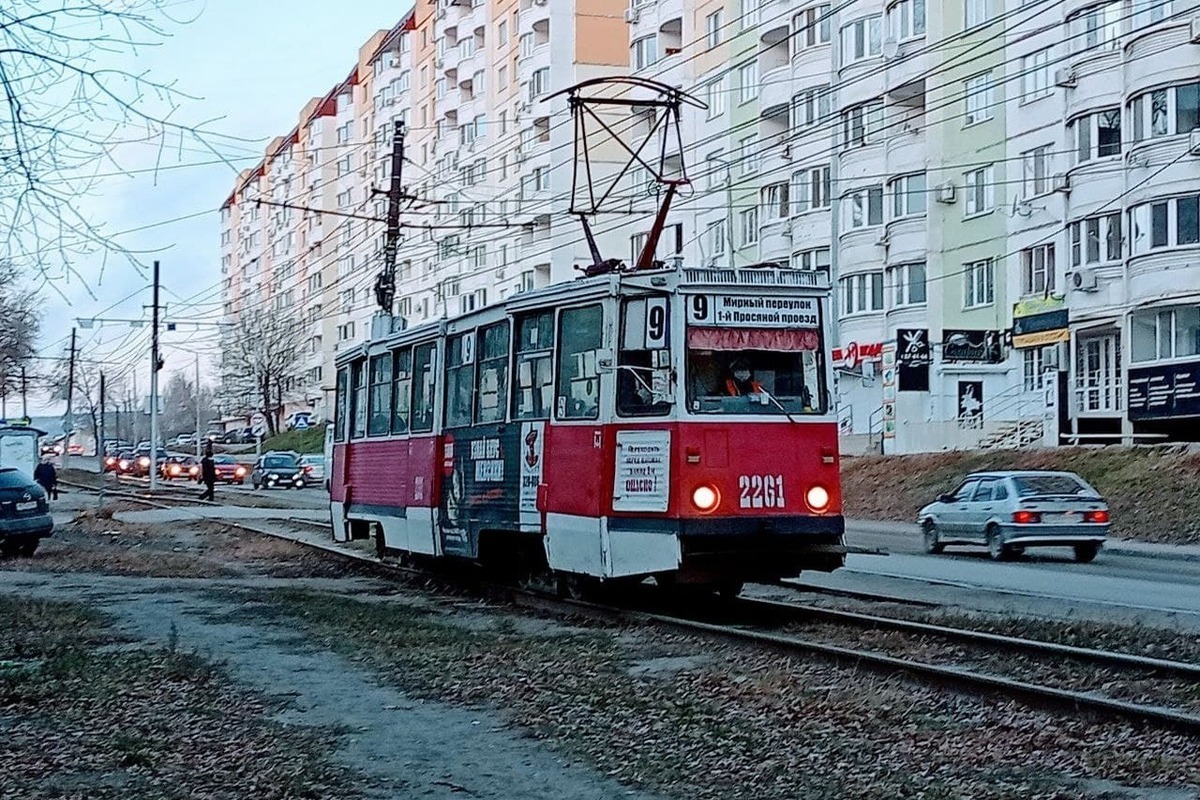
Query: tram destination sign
{"type": "Point", "coordinates": [742, 311]}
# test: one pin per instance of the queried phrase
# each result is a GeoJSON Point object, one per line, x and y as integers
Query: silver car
{"type": "Point", "coordinates": [1009, 511]}
{"type": "Point", "coordinates": [314, 467]}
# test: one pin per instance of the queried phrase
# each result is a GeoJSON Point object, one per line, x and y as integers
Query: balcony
{"type": "Point", "coordinates": [1159, 56]}
{"type": "Point", "coordinates": [1162, 274]}
{"type": "Point", "coordinates": [775, 241]}
{"type": "Point", "coordinates": [907, 240]}
{"type": "Point", "coordinates": [776, 88]}
{"type": "Point", "coordinates": [527, 18]}
{"type": "Point", "coordinates": [909, 65]}
{"type": "Point", "coordinates": [860, 249]}
{"type": "Point", "coordinates": [905, 148]}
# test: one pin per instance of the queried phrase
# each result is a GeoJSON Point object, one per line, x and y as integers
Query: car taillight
{"type": "Point", "coordinates": [307, 470]}
{"type": "Point", "coordinates": [1026, 517]}
{"type": "Point", "coordinates": [1100, 516]}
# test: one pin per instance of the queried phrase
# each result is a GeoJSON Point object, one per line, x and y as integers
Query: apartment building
{"type": "Point", "coordinates": [488, 159]}
{"type": "Point", "coordinates": [1005, 193]}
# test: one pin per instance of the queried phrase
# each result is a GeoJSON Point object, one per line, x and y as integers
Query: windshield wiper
{"type": "Point", "coordinates": [771, 397]}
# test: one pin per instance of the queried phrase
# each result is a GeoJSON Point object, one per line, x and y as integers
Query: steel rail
{"type": "Point", "coordinates": [993, 684]}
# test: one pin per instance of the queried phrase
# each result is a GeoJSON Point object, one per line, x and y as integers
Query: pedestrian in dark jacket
{"type": "Point", "coordinates": [208, 474]}
{"type": "Point", "coordinates": [46, 475]}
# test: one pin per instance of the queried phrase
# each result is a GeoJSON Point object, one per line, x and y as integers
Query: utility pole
{"type": "Point", "coordinates": [100, 438]}
{"type": "Point", "coordinates": [69, 425]}
{"type": "Point", "coordinates": [385, 284]}
{"type": "Point", "coordinates": [197, 395]}
{"type": "Point", "coordinates": [24, 394]}
{"type": "Point", "coordinates": [155, 366]}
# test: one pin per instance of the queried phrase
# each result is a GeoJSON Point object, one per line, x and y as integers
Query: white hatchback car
{"type": "Point", "coordinates": [1010, 511]}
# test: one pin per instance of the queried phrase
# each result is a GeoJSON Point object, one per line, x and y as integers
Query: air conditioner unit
{"type": "Point", "coordinates": [946, 193]}
{"type": "Point", "coordinates": [1194, 38]}
{"type": "Point", "coordinates": [1194, 142]}
{"type": "Point", "coordinates": [1065, 77]}
{"type": "Point", "coordinates": [1084, 280]}
{"type": "Point", "coordinates": [1062, 182]}
{"type": "Point", "coordinates": [632, 15]}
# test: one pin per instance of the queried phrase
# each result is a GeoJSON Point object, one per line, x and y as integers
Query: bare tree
{"type": "Point", "coordinates": [67, 102]}
{"type": "Point", "coordinates": [85, 394]}
{"type": "Point", "coordinates": [19, 324]}
{"type": "Point", "coordinates": [179, 403]}
{"type": "Point", "coordinates": [258, 361]}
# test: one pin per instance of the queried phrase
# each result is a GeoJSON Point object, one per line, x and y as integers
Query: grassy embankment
{"type": "Point", "coordinates": [1153, 493]}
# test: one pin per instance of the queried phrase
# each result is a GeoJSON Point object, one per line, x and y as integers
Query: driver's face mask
{"type": "Point", "coordinates": [742, 374]}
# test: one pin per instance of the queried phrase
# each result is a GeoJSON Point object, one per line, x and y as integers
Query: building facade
{"type": "Point", "coordinates": [1005, 193]}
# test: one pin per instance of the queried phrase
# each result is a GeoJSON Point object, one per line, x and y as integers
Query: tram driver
{"type": "Point", "coordinates": [740, 381]}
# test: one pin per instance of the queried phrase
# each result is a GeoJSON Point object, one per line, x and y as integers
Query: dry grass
{"type": "Point", "coordinates": [1152, 492]}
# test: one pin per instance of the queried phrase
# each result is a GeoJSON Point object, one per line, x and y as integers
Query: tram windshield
{"type": "Point", "coordinates": [755, 371]}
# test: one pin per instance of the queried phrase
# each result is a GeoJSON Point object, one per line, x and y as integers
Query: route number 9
{"type": "Point", "coordinates": [656, 323]}
{"type": "Point", "coordinates": [699, 309]}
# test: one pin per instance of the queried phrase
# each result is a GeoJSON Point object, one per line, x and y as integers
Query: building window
{"type": "Point", "coordinates": [1035, 75]}
{"type": "Point", "coordinates": [909, 281]}
{"type": "Point", "coordinates": [811, 189]}
{"type": "Point", "coordinates": [862, 124]}
{"type": "Point", "coordinates": [775, 202]}
{"type": "Point", "coordinates": [1166, 223]}
{"type": "Point", "coordinates": [978, 98]}
{"type": "Point", "coordinates": [979, 284]}
{"type": "Point", "coordinates": [861, 39]}
{"type": "Point", "coordinates": [715, 24]}
{"type": "Point", "coordinates": [1032, 363]}
{"type": "Point", "coordinates": [748, 87]}
{"type": "Point", "coordinates": [862, 293]}
{"type": "Point", "coordinates": [749, 227]}
{"type": "Point", "coordinates": [714, 97]}
{"type": "Point", "coordinates": [1097, 27]}
{"type": "Point", "coordinates": [502, 32]}
{"type": "Point", "coordinates": [908, 196]}
{"type": "Point", "coordinates": [1096, 135]}
{"type": "Point", "coordinates": [1165, 334]}
{"type": "Point", "coordinates": [1148, 12]}
{"type": "Point", "coordinates": [714, 170]}
{"type": "Point", "coordinates": [1037, 270]}
{"type": "Point", "coordinates": [863, 207]}
{"type": "Point", "coordinates": [539, 82]}
{"type": "Point", "coordinates": [907, 19]}
{"type": "Point", "coordinates": [645, 51]}
{"type": "Point", "coordinates": [1166, 112]}
{"type": "Point", "coordinates": [1096, 240]}
{"type": "Point", "coordinates": [980, 185]}
{"type": "Point", "coordinates": [714, 239]}
{"type": "Point", "coordinates": [749, 17]}
{"type": "Point", "coordinates": [810, 107]}
{"type": "Point", "coordinates": [977, 12]}
{"type": "Point", "coordinates": [1036, 171]}
{"type": "Point", "coordinates": [748, 155]}
{"type": "Point", "coordinates": [811, 260]}
{"type": "Point", "coordinates": [811, 27]}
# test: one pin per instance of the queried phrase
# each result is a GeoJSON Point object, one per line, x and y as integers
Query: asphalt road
{"type": "Point", "coordinates": [1116, 586]}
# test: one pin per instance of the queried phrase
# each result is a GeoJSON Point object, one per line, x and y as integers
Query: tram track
{"type": "Point", "coordinates": [748, 620]}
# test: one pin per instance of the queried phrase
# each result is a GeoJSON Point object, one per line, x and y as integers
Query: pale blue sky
{"type": "Point", "coordinates": [253, 64]}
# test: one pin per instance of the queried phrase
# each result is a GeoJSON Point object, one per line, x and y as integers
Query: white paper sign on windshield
{"type": "Point", "coordinates": [739, 311]}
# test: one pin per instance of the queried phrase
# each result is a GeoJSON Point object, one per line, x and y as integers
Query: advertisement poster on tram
{"type": "Point", "coordinates": [643, 471]}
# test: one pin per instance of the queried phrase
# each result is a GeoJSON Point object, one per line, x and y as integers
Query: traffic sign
{"type": "Point", "coordinates": [258, 424]}
{"type": "Point", "coordinates": [301, 424]}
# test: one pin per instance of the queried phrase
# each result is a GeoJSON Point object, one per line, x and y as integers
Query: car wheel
{"type": "Point", "coordinates": [27, 549]}
{"type": "Point", "coordinates": [1086, 553]}
{"type": "Point", "coordinates": [997, 549]}
{"type": "Point", "coordinates": [930, 534]}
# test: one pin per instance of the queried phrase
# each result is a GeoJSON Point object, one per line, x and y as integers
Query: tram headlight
{"type": "Point", "coordinates": [817, 498]}
{"type": "Point", "coordinates": [705, 498]}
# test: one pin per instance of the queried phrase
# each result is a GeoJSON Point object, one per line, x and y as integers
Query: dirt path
{"type": "Point", "coordinates": [403, 747]}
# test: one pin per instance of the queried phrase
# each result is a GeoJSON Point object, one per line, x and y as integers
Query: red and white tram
{"type": "Point", "coordinates": [597, 429]}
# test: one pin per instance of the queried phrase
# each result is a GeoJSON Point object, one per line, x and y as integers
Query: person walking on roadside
{"type": "Point", "coordinates": [208, 474]}
{"type": "Point", "coordinates": [47, 476]}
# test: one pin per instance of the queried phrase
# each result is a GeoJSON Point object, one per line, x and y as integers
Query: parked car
{"type": "Point", "coordinates": [1010, 511]}
{"type": "Point", "coordinates": [314, 467]}
{"type": "Point", "coordinates": [24, 513]}
{"type": "Point", "coordinates": [236, 436]}
{"type": "Point", "coordinates": [179, 468]}
{"type": "Point", "coordinates": [277, 469]}
{"type": "Point", "coordinates": [183, 440]}
{"type": "Point", "coordinates": [228, 470]}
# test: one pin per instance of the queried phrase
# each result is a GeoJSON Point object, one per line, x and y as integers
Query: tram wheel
{"type": "Point", "coordinates": [729, 590]}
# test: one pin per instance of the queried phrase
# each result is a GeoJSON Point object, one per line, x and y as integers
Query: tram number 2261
{"type": "Point", "coordinates": [761, 491]}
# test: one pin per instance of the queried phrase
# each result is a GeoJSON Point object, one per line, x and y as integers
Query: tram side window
{"type": "Point", "coordinates": [343, 404]}
{"type": "Point", "coordinates": [533, 385]}
{"type": "Point", "coordinates": [358, 424]}
{"type": "Point", "coordinates": [644, 360]}
{"type": "Point", "coordinates": [460, 379]}
{"type": "Point", "coordinates": [379, 397]}
{"type": "Point", "coordinates": [422, 382]}
{"type": "Point", "coordinates": [579, 335]}
{"type": "Point", "coordinates": [493, 373]}
{"type": "Point", "coordinates": [401, 390]}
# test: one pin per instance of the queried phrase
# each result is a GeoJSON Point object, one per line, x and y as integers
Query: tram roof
{"type": "Point", "coordinates": [755, 279]}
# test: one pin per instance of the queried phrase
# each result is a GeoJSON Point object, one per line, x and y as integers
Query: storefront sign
{"type": "Point", "coordinates": [1166, 391]}
{"type": "Point", "coordinates": [643, 471]}
{"type": "Point", "coordinates": [912, 346]}
{"type": "Point", "coordinates": [970, 403]}
{"type": "Point", "coordinates": [1039, 330]}
{"type": "Point", "coordinates": [738, 311]}
{"type": "Point", "coordinates": [854, 354]}
{"type": "Point", "coordinates": [977, 346]}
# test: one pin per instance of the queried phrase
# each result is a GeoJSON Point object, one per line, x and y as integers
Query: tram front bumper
{"type": "Point", "coordinates": [761, 548]}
